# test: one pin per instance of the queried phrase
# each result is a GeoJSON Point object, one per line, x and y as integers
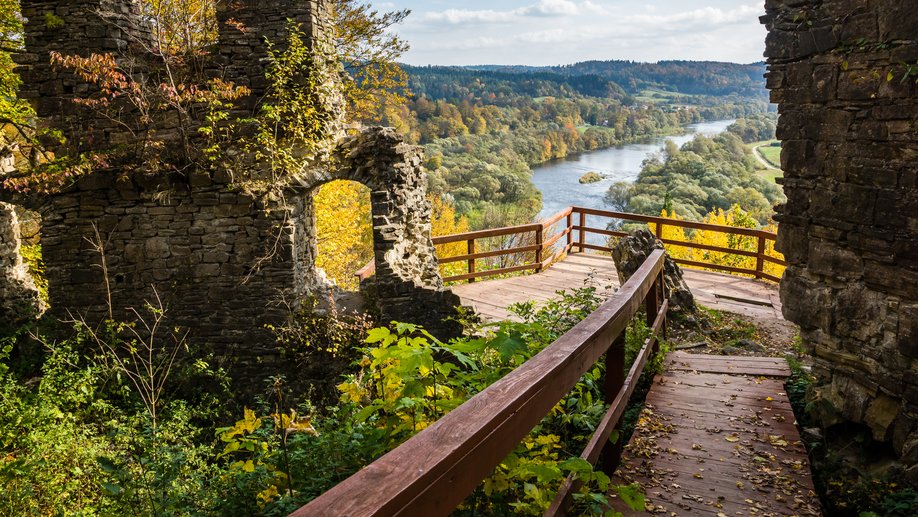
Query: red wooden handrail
{"type": "Point", "coordinates": [435, 470]}
{"type": "Point", "coordinates": [543, 241]}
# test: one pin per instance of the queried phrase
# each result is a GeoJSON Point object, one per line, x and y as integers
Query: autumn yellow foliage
{"type": "Point", "coordinates": [444, 221]}
{"type": "Point", "coordinates": [735, 217]}
{"type": "Point", "coordinates": [345, 233]}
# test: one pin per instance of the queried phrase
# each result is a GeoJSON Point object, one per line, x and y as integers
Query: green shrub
{"type": "Point", "coordinates": [406, 379]}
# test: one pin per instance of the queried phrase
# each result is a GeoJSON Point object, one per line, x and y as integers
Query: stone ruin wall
{"type": "Point", "coordinates": [849, 229]}
{"type": "Point", "coordinates": [223, 265]}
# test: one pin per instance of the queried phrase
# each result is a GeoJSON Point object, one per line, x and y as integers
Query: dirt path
{"type": "Point", "coordinates": [762, 160]}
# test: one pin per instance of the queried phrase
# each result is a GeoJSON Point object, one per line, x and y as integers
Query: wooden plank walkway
{"type": "Point", "coordinates": [491, 298]}
{"type": "Point", "coordinates": [730, 293]}
{"type": "Point", "coordinates": [718, 437]}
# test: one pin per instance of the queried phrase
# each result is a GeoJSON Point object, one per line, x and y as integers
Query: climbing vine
{"type": "Point", "coordinates": [295, 129]}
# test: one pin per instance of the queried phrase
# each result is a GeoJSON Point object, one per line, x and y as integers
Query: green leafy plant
{"type": "Point", "coordinates": [323, 344]}
{"type": "Point", "coordinates": [406, 379]}
{"type": "Point", "coordinates": [31, 254]}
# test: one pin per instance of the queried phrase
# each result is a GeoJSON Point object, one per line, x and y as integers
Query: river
{"type": "Point", "coordinates": [559, 180]}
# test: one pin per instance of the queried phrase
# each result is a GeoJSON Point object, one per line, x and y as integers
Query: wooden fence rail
{"type": "Point", "coordinates": [435, 470]}
{"type": "Point", "coordinates": [540, 239]}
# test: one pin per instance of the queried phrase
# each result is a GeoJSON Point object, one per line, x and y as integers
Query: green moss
{"type": "Point", "coordinates": [53, 21]}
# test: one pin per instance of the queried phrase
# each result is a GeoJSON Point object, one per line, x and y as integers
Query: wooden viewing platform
{"type": "Point", "coordinates": [717, 435]}
{"type": "Point", "coordinates": [713, 290]}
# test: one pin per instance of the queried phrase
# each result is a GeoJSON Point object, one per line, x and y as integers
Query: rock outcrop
{"type": "Point", "coordinates": [848, 103]}
{"type": "Point", "coordinates": [633, 250]}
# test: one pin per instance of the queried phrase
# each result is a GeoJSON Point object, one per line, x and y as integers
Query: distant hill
{"type": "Point", "coordinates": [455, 84]}
{"type": "Point", "coordinates": [710, 78]}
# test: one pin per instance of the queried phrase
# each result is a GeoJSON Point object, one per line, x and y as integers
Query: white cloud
{"type": "Point", "coordinates": [552, 7]}
{"type": "Point", "coordinates": [462, 16]}
{"type": "Point", "coordinates": [707, 16]}
{"type": "Point", "coordinates": [592, 7]}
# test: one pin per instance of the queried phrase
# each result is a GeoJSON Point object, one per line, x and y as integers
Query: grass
{"type": "Point", "coordinates": [771, 174]}
{"type": "Point", "coordinates": [661, 96]}
{"type": "Point", "coordinates": [772, 155]}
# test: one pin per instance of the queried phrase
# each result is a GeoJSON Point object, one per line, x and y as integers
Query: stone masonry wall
{"type": "Point", "coordinates": [220, 263]}
{"type": "Point", "coordinates": [849, 122]}
{"type": "Point", "coordinates": [224, 264]}
{"type": "Point", "coordinates": [75, 27]}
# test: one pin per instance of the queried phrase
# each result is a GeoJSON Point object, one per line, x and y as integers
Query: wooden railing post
{"type": "Point", "coordinates": [615, 380]}
{"type": "Point", "coordinates": [760, 258]}
{"type": "Point", "coordinates": [652, 306]}
{"type": "Point", "coordinates": [539, 240]}
{"type": "Point", "coordinates": [660, 230]}
{"type": "Point", "coordinates": [582, 239]}
{"type": "Point", "coordinates": [471, 262]}
{"type": "Point", "coordinates": [570, 231]}
{"type": "Point", "coordinates": [662, 290]}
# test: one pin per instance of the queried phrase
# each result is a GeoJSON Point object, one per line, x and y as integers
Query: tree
{"type": "Point", "coordinates": [182, 27]}
{"type": "Point", "coordinates": [11, 109]}
{"type": "Point", "coordinates": [14, 112]}
{"type": "Point", "coordinates": [618, 195]}
{"type": "Point", "coordinates": [369, 51]}
{"type": "Point", "coordinates": [344, 232]}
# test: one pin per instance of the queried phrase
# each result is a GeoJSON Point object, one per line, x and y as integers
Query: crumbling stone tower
{"type": "Point", "coordinates": [843, 75]}
{"type": "Point", "coordinates": [225, 263]}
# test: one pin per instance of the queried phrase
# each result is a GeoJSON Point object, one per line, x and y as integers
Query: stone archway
{"type": "Point", "coordinates": [407, 285]}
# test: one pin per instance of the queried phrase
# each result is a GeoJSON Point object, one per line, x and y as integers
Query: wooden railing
{"type": "Point", "coordinates": [540, 250]}
{"type": "Point", "coordinates": [435, 470]}
{"type": "Point", "coordinates": [659, 223]}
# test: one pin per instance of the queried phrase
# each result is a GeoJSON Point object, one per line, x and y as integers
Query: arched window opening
{"type": "Point", "coordinates": [344, 231]}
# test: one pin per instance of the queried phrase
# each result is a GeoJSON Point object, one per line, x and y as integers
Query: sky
{"type": "Point", "coordinates": [556, 32]}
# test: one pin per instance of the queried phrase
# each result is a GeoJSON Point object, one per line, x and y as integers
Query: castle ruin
{"type": "Point", "coordinates": [225, 263]}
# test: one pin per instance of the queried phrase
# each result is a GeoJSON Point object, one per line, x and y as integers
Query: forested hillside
{"type": "Point", "coordinates": [691, 77]}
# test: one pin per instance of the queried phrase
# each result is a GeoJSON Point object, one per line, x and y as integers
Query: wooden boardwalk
{"type": "Point", "coordinates": [718, 437]}
{"type": "Point", "coordinates": [492, 297]}
{"type": "Point", "coordinates": [714, 290]}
